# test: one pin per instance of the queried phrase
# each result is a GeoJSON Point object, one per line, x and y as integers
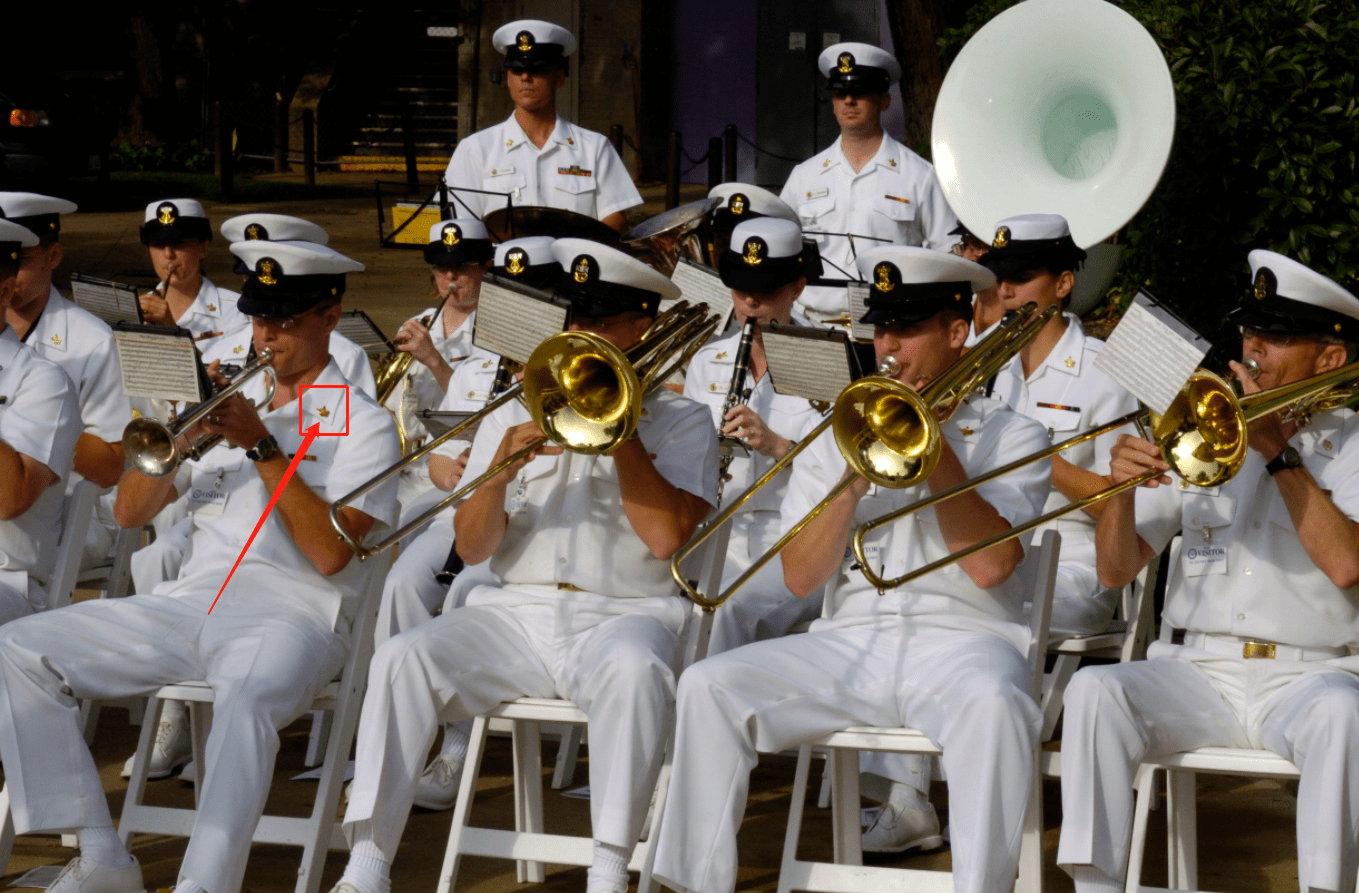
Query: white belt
{"type": "Point", "coordinates": [1236, 646]}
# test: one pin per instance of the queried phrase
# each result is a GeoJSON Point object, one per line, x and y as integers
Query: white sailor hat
{"type": "Point", "coordinates": [40, 213]}
{"type": "Point", "coordinates": [534, 45]}
{"type": "Point", "coordinates": [12, 238]}
{"type": "Point", "coordinates": [1031, 242]}
{"type": "Point", "coordinates": [602, 281]}
{"type": "Point", "coordinates": [272, 228]}
{"type": "Point", "coordinates": [1287, 298]}
{"type": "Point", "coordinates": [859, 68]}
{"type": "Point", "coordinates": [908, 285]}
{"type": "Point", "coordinates": [462, 240]}
{"type": "Point", "coordinates": [287, 278]}
{"type": "Point", "coordinates": [172, 219]}
{"type": "Point", "coordinates": [528, 259]}
{"type": "Point", "coordinates": [743, 201]}
{"type": "Point", "coordinates": [765, 254]}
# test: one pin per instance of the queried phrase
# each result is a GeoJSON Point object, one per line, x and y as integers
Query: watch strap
{"type": "Point", "coordinates": [1287, 458]}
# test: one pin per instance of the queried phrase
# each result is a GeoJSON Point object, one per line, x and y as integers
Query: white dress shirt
{"type": "Point", "coordinates": [212, 314]}
{"type": "Point", "coordinates": [419, 388]}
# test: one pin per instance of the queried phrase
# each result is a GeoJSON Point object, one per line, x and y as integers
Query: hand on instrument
{"type": "Point", "coordinates": [413, 338]}
{"type": "Point", "coordinates": [1133, 456]}
{"type": "Point", "coordinates": [237, 421]}
{"type": "Point", "coordinates": [1269, 433]}
{"type": "Point", "coordinates": [745, 424]}
{"type": "Point", "coordinates": [515, 439]}
{"type": "Point", "coordinates": [155, 309]}
{"type": "Point", "coordinates": [859, 488]}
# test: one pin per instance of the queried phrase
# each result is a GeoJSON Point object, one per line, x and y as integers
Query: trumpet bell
{"type": "Point", "coordinates": [886, 432]}
{"type": "Point", "coordinates": [151, 447]}
{"type": "Point", "coordinates": [582, 392]}
{"type": "Point", "coordinates": [1203, 434]}
{"type": "Point", "coordinates": [1055, 106]}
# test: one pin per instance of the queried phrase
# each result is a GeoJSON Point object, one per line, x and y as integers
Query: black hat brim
{"type": "Point", "coordinates": [298, 295]}
{"type": "Point", "coordinates": [1019, 258]}
{"type": "Point", "coordinates": [770, 275]}
{"type": "Point", "coordinates": [157, 233]}
{"type": "Point", "coordinates": [468, 251]}
{"type": "Point", "coordinates": [1278, 315]}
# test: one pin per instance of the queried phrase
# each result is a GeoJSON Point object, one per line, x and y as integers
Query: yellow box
{"type": "Point", "coordinates": [417, 232]}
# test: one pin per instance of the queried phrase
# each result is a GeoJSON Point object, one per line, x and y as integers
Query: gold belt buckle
{"type": "Point", "coordinates": [1260, 650]}
{"type": "Point", "coordinates": [571, 587]}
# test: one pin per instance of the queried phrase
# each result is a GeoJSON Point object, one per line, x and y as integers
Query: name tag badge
{"type": "Point", "coordinates": [872, 551]}
{"type": "Point", "coordinates": [818, 193]}
{"type": "Point", "coordinates": [502, 171]}
{"type": "Point", "coordinates": [1205, 558]}
{"type": "Point", "coordinates": [207, 500]}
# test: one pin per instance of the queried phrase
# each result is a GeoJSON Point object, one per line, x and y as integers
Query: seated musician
{"type": "Point", "coordinates": [1054, 381]}
{"type": "Point", "coordinates": [280, 630]}
{"type": "Point", "coordinates": [765, 271]}
{"type": "Point", "coordinates": [177, 234]}
{"type": "Point", "coordinates": [1266, 592]}
{"type": "Point", "coordinates": [39, 429]}
{"type": "Point", "coordinates": [945, 654]}
{"type": "Point", "coordinates": [585, 610]}
{"type": "Point", "coordinates": [536, 156]}
{"type": "Point", "coordinates": [419, 580]}
{"type": "Point", "coordinates": [82, 345]}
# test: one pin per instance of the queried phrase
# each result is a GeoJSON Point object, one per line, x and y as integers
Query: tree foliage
{"type": "Point", "coordinates": [1264, 157]}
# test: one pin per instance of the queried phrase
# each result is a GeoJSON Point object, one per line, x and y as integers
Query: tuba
{"type": "Point", "coordinates": [682, 232]}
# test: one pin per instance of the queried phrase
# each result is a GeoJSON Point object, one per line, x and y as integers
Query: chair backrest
{"type": "Point", "coordinates": [78, 512]}
{"type": "Point", "coordinates": [361, 640]}
{"type": "Point", "coordinates": [709, 562]}
{"type": "Point", "coordinates": [1040, 615]}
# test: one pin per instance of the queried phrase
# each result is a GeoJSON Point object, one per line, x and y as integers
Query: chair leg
{"type": "Point", "coordinates": [1182, 856]}
{"type": "Point", "coordinates": [1031, 847]}
{"type": "Point", "coordinates": [790, 837]}
{"type": "Point", "coordinates": [320, 733]}
{"type": "Point", "coordinates": [89, 720]}
{"type": "Point", "coordinates": [200, 723]}
{"type": "Point", "coordinates": [567, 753]}
{"type": "Point", "coordinates": [7, 830]}
{"type": "Point", "coordinates": [448, 872]}
{"type": "Point", "coordinates": [1054, 691]}
{"type": "Point", "coordinates": [141, 765]}
{"type": "Point", "coordinates": [1146, 792]}
{"type": "Point", "coordinates": [847, 833]}
{"type": "Point", "coordinates": [321, 822]}
{"type": "Point", "coordinates": [528, 792]}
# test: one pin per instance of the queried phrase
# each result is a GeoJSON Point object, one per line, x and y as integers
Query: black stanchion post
{"type": "Point", "coordinates": [729, 152]}
{"type": "Point", "coordinates": [616, 137]}
{"type": "Point", "coordinates": [714, 161]}
{"type": "Point", "coordinates": [672, 170]}
{"type": "Point", "coordinates": [408, 143]}
{"type": "Point", "coordinates": [309, 147]}
{"type": "Point", "coordinates": [280, 137]}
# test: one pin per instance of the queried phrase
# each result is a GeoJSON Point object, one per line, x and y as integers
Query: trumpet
{"type": "Point", "coordinates": [1202, 436]}
{"type": "Point", "coordinates": [153, 446]}
{"type": "Point", "coordinates": [887, 432]}
{"type": "Point", "coordinates": [584, 393]}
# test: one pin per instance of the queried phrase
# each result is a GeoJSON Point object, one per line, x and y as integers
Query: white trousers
{"type": "Point", "coordinates": [162, 559]}
{"type": "Point", "coordinates": [968, 692]}
{"type": "Point", "coordinates": [411, 595]}
{"type": "Point", "coordinates": [264, 666]}
{"type": "Point", "coordinates": [14, 604]}
{"type": "Point", "coordinates": [1080, 605]}
{"type": "Point", "coordinates": [1304, 712]}
{"type": "Point", "coordinates": [464, 662]}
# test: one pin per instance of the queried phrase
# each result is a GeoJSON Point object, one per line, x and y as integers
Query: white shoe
{"type": "Point", "coordinates": [900, 827]}
{"type": "Point", "coordinates": [86, 875]}
{"type": "Point", "coordinates": [189, 773]}
{"type": "Point", "coordinates": [171, 751]}
{"type": "Point", "coordinates": [344, 887]}
{"type": "Point", "coordinates": [438, 784]}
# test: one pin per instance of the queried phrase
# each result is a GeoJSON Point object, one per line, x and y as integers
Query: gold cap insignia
{"type": "Point", "coordinates": [737, 204]}
{"type": "Point", "coordinates": [755, 251]}
{"type": "Point", "coordinates": [267, 271]}
{"type": "Point", "coordinates": [1265, 284]}
{"type": "Point", "coordinates": [524, 40]}
{"type": "Point", "coordinates": [1002, 237]}
{"type": "Point", "coordinates": [583, 269]}
{"type": "Point", "coordinates": [886, 277]}
{"type": "Point", "coordinates": [846, 61]}
{"type": "Point", "coordinates": [515, 262]}
{"type": "Point", "coordinates": [56, 339]}
{"type": "Point", "coordinates": [452, 234]}
{"type": "Point", "coordinates": [256, 233]}
{"type": "Point", "coordinates": [166, 214]}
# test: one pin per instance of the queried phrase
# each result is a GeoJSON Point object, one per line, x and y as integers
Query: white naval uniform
{"type": "Point", "coordinates": [942, 656]}
{"type": "Point", "coordinates": [234, 347]}
{"type": "Point", "coordinates": [279, 632]}
{"type": "Point", "coordinates": [82, 345]}
{"type": "Point", "coordinates": [1242, 575]}
{"type": "Point", "coordinates": [212, 314]}
{"type": "Point", "coordinates": [762, 608]}
{"type": "Point", "coordinates": [577, 169]}
{"type": "Point", "coordinates": [411, 595]}
{"type": "Point", "coordinates": [611, 647]}
{"type": "Point", "coordinates": [1066, 394]}
{"type": "Point", "coordinates": [39, 417]}
{"type": "Point", "coordinates": [894, 197]}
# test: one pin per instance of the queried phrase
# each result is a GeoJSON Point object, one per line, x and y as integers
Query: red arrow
{"type": "Point", "coordinates": [311, 434]}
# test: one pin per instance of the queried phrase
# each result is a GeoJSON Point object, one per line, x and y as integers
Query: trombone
{"type": "Point", "coordinates": [887, 432]}
{"type": "Point", "coordinates": [584, 393]}
{"type": "Point", "coordinates": [1202, 436]}
{"type": "Point", "coordinates": [153, 445]}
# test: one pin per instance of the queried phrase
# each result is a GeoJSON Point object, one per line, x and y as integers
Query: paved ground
{"type": "Point", "coordinates": [1246, 827]}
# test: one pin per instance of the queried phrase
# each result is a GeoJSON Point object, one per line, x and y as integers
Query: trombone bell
{"type": "Point", "coordinates": [583, 392]}
{"type": "Point", "coordinates": [886, 432]}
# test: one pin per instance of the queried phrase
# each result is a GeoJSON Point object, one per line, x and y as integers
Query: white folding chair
{"type": "Point", "coordinates": [848, 874]}
{"type": "Point", "coordinates": [79, 510]}
{"type": "Point", "coordinates": [527, 844]}
{"type": "Point", "coordinates": [316, 833]}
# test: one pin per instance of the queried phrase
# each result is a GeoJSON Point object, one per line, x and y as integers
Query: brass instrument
{"type": "Point", "coordinates": [1203, 437]}
{"type": "Point", "coordinates": [153, 446]}
{"type": "Point", "coordinates": [392, 368]}
{"type": "Point", "coordinates": [737, 395]}
{"type": "Point", "coordinates": [887, 432]}
{"type": "Point", "coordinates": [584, 393]}
{"type": "Point", "coordinates": [679, 232]}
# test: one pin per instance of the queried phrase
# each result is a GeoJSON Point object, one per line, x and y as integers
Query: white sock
{"type": "Point", "coordinates": [369, 869]}
{"type": "Point", "coordinates": [609, 871]}
{"type": "Point", "coordinates": [188, 885]}
{"type": "Point", "coordinates": [903, 794]}
{"type": "Point", "coordinates": [1090, 879]}
{"type": "Point", "coordinates": [103, 846]}
{"type": "Point", "coordinates": [456, 741]}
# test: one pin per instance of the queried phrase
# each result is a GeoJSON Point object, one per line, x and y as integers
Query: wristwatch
{"type": "Point", "coordinates": [1289, 458]}
{"type": "Point", "coordinates": [264, 449]}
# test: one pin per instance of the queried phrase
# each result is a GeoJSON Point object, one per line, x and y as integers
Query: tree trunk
{"type": "Point", "coordinates": [916, 26]}
{"type": "Point", "coordinates": [148, 112]}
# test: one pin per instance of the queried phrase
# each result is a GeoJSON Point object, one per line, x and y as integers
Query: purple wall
{"type": "Point", "coordinates": [714, 78]}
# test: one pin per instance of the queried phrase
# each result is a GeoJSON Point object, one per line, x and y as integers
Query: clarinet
{"type": "Point", "coordinates": [504, 377]}
{"type": "Point", "coordinates": [737, 395]}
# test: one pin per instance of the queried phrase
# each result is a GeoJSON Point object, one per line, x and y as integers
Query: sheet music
{"type": "Point", "coordinates": [816, 368]}
{"type": "Point", "coordinates": [357, 327]}
{"type": "Point", "coordinates": [437, 421]}
{"type": "Point", "coordinates": [159, 365]}
{"type": "Point", "coordinates": [700, 285]}
{"type": "Point", "coordinates": [512, 323]}
{"type": "Point", "coordinates": [113, 302]}
{"type": "Point", "coordinates": [1151, 353]}
{"type": "Point", "coordinates": [858, 306]}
